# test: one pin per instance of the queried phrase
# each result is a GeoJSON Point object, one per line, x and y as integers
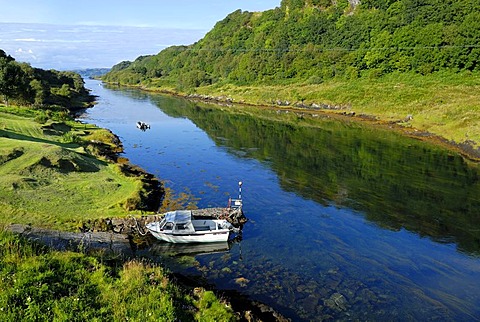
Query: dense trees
{"type": "Point", "coordinates": [12, 78]}
{"type": "Point", "coordinates": [23, 84]}
{"type": "Point", "coordinates": [315, 40]}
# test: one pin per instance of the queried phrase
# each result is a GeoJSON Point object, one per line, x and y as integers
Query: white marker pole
{"type": "Point", "coordinates": [240, 190]}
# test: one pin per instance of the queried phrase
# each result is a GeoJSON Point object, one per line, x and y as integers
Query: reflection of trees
{"type": "Point", "coordinates": [398, 182]}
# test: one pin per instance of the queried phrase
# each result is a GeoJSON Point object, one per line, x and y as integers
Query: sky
{"type": "Point", "coordinates": [81, 34]}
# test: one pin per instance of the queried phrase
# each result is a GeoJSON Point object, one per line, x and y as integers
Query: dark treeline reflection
{"type": "Point", "coordinates": [396, 181]}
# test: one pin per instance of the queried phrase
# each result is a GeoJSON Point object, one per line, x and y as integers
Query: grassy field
{"type": "Point", "coordinates": [39, 284]}
{"type": "Point", "coordinates": [48, 179]}
{"type": "Point", "coordinates": [445, 104]}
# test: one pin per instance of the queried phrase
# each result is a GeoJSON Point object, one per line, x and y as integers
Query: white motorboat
{"type": "Point", "coordinates": [181, 226]}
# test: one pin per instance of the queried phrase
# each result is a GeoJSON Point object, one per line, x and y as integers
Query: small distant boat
{"type": "Point", "coordinates": [180, 226]}
{"type": "Point", "coordinates": [143, 126]}
{"type": "Point", "coordinates": [183, 226]}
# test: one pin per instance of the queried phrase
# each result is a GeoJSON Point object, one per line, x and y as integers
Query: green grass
{"type": "Point", "coordinates": [43, 285]}
{"type": "Point", "coordinates": [47, 179]}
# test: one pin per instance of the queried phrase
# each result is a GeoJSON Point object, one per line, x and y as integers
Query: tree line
{"type": "Point", "coordinates": [316, 40]}
{"type": "Point", "coordinates": [23, 84]}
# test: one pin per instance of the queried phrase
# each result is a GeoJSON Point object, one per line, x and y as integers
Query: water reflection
{"type": "Point", "coordinates": [174, 250]}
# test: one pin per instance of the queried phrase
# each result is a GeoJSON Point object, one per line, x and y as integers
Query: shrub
{"type": "Point", "coordinates": [211, 309]}
{"type": "Point", "coordinates": [70, 137]}
{"type": "Point", "coordinates": [41, 118]}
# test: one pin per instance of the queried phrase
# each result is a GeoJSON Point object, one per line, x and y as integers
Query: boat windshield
{"type": "Point", "coordinates": [164, 225]}
{"type": "Point", "coordinates": [181, 226]}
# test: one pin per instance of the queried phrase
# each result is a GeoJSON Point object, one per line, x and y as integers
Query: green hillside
{"type": "Point", "coordinates": [317, 40]}
{"type": "Point", "coordinates": [383, 58]}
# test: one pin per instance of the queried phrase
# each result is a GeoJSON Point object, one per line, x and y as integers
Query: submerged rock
{"type": "Point", "coordinates": [336, 302]}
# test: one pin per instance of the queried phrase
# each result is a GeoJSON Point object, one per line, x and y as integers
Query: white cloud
{"type": "Point", "coordinates": [27, 40]}
{"type": "Point", "coordinates": [24, 55]}
{"type": "Point", "coordinates": [60, 41]}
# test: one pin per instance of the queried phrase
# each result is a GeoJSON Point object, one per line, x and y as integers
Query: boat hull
{"type": "Point", "coordinates": [204, 237]}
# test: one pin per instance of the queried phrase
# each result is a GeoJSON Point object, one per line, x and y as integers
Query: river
{"type": "Point", "coordinates": [346, 221]}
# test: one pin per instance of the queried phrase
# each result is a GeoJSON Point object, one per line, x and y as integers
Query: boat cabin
{"type": "Point", "coordinates": [182, 221]}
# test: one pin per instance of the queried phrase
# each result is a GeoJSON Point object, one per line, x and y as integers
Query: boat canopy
{"type": "Point", "coordinates": [179, 216]}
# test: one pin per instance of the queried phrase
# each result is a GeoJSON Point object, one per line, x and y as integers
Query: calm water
{"type": "Point", "coordinates": [346, 222]}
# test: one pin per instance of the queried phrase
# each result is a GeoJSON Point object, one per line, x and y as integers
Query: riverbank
{"type": "Point", "coordinates": [442, 108]}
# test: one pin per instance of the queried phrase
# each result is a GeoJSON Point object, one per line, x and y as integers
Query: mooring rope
{"type": "Point", "coordinates": [137, 227]}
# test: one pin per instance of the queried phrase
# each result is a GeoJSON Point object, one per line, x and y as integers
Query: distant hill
{"type": "Point", "coordinates": [315, 40]}
{"type": "Point", "coordinates": [92, 72]}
